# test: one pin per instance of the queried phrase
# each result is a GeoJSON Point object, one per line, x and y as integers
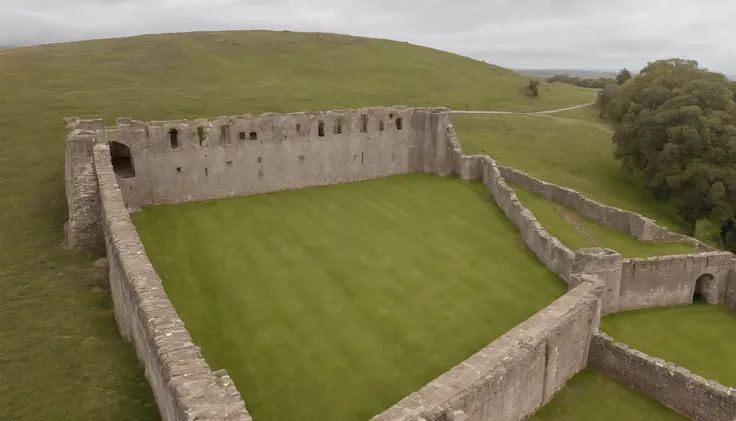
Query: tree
{"type": "Point", "coordinates": [623, 77]}
{"type": "Point", "coordinates": [676, 126]}
{"type": "Point", "coordinates": [533, 87]}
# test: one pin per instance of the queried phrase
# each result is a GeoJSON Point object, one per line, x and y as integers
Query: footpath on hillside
{"type": "Point", "coordinates": [559, 110]}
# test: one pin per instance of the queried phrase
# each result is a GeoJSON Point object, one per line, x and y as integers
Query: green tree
{"type": "Point", "coordinates": [533, 87]}
{"type": "Point", "coordinates": [676, 126]}
{"type": "Point", "coordinates": [623, 76]}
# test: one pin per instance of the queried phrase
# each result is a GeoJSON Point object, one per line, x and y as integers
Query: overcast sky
{"type": "Point", "coordinates": [589, 34]}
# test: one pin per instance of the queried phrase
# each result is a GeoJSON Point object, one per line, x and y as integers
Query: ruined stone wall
{"type": "Point", "coordinates": [555, 255]}
{"type": "Point", "coordinates": [632, 223]}
{"type": "Point", "coordinates": [516, 374]}
{"type": "Point", "coordinates": [670, 280]}
{"type": "Point", "coordinates": [243, 155]}
{"type": "Point", "coordinates": [676, 387]}
{"type": "Point", "coordinates": [184, 386]}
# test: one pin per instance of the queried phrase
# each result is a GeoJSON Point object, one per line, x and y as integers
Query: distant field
{"type": "Point", "coordinates": [697, 337]}
{"type": "Point", "coordinates": [567, 151]}
{"type": "Point", "coordinates": [61, 356]}
{"type": "Point", "coordinates": [592, 396]}
{"type": "Point", "coordinates": [331, 303]}
{"type": "Point", "coordinates": [577, 232]}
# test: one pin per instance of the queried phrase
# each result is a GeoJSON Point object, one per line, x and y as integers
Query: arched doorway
{"type": "Point", "coordinates": [122, 161]}
{"type": "Point", "coordinates": [702, 286]}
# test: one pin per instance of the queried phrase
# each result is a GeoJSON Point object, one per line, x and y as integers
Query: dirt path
{"type": "Point", "coordinates": [522, 113]}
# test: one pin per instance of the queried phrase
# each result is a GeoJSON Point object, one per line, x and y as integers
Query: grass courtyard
{"type": "Point", "coordinates": [578, 232]}
{"type": "Point", "coordinates": [334, 303]}
{"type": "Point", "coordinates": [591, 395]}
{"type": "Point", "coordinates": [696, 337]}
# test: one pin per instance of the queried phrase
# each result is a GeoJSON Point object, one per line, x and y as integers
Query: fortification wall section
{"type": "Point", "coordinates": [672, 280]}
{"type": "Point", "coordinates": [632, 223]}
{"type": "Point", "coordinates": [243, 155]}
{"type": "Point", "coordinates": [184, 386]}
{"type": "Point", "coordinates": [555, 255]}
{"type": "Point", "coordinates": [674, 386]}
{"type": "Point", "coordinates": [516, 374]}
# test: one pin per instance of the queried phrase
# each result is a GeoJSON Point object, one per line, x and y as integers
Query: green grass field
{"type": "Point", "coordinates": [697, 337]}
{"type": "Point", "coordinates": [61, 356]}
{"type": "Point", "coordinates": [571, 152]}
{"type": "Point", "coordinates": [578, 232]}
{"type": "Point", "coordinates": [592, 396]}
{"type": "Point", "coordinates": [335, 303]}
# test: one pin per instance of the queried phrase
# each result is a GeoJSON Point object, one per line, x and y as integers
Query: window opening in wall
{"type": "Point", "coordinates": [321, 128]}
{"type": "Point", "coordinates": [380, 125]}
{"type": "Point", "coordinates": [302, 157]}
{"type": "Point", "coordinates": [225, 133]}
{"type": "Point", "coordinates": [362, 158]}
{"type": "Point", "coordinates": [253, 135]}
{"type": "Point", "coordinates": [241, 135]}
{"type": "Point", "coordinates": [391, 117]}
{"type": "Point", "coordinates": [122, 162]}
{"type": "Point", "coordinates": [229, 164]}
{"type": "Point", "coordinates": [363, 123]}
{"type": "Point", "coordinates": [178, 169]}
{"type": "Point", "coordinates": [200, 135]}
{"type": "Point", "coordinates": [260, 173]}
{"type": "Point", "coordinates": [701, 288]}
{"type": "Point", "coordinates": [174, 138]}
{"type": "Point", "coordinates": [298, 128]}
{"type": "Point", "coordinates": [259, 160]}
{"type": "Point", "coordinates": [338, 126]}
{"type": "Point", "coordinates": [399, 123]}
{"type": "Point", "coordinates": [206, 172]}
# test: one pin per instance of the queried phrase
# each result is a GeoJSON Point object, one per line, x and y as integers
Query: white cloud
{"type": "Point", "coordinates": [513, 33]}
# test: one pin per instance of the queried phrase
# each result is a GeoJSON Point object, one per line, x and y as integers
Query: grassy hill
{"type": "Point", "coordinates": [572, 151]}
{"type": "Point", "coordinates": [61, 356]}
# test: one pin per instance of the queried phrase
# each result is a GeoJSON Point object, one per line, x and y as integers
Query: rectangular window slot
{"type": "Point", "coordinates": [302, 157]}
{"type": "Point", "coordinates": [178, 169]}
{"type": "Point", "coordinates": [229, 164]}
{"type": "Point", "coordinates": [206, 172]}
{"type": "Point", "coordinates": [260, 173]}
{"type": "Point", "coordinates": [259, 160]}
{"type": "Point", "coordinates": [242, 135]}
{"type": "Point", "coordinates": [253, 136]}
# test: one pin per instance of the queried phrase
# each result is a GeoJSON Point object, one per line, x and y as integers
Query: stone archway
{"type": "Point", "coordinates": [703, 285]}
{"type": "Point", "coordinates": [122, 161]}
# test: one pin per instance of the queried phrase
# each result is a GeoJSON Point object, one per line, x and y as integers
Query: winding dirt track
{"type": "Point", "coordinates": [521, 113]}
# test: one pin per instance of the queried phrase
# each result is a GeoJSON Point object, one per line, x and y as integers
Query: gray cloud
{"type": "Point", "coordinates": [512, 33]}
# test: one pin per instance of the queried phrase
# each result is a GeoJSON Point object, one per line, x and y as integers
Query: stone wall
{"type": "Point", "coordinates": [555, 255]}
{"type": "Point", "coordinates": [243, 155]}
{"type": "Point", "coordinates": [184, 386]}
{"type": "Point", "coordinates": [516, 374]}
{"type": "Point", "coordinates": [671, 280]}
{"type": "Point", "coordinates": [676, 387]}
{"type": "Point", "coordinates": [632, 223]}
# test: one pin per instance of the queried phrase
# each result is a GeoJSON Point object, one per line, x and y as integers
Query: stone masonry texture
{"type": "Point", "coordinates": [676, 387]}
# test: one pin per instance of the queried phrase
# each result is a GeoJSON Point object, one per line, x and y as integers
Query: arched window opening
{"type": "Point", "coordinates": [174, 138]}
{"type": "Point", "coordinates": [338, 126]}
{"type": "Point", "coordinates": [321, 128]}
{"type": "Point", "coordinates": [363, 123]}
{"type": "Point", "coordinates": [200, 135]}
{"type": "Point", "coordinates": [702, 285]}
{"type": "Point", "coordinates": [122, 162]}
{"type": "Point", "coordinates": [399, 123]}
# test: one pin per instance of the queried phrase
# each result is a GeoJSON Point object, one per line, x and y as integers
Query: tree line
{"type": "Point", "coordinates": [675, 125]}
{"type": "Point", "coordinates": [596, 83]}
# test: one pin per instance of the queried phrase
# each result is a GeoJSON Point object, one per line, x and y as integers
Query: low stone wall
{"type": "Point", "coordinates": [632, 223]}
{"type": "Point", "coordinates": [184, 386]}
{"type": "Point", "coordinates": [516, 374]}
{"type": "Point", "coordinates": [676, 387]}
{"type": "Point", "coordinates": [671, 280]}
{"type": "Point", "coordinates": [555, 255]}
